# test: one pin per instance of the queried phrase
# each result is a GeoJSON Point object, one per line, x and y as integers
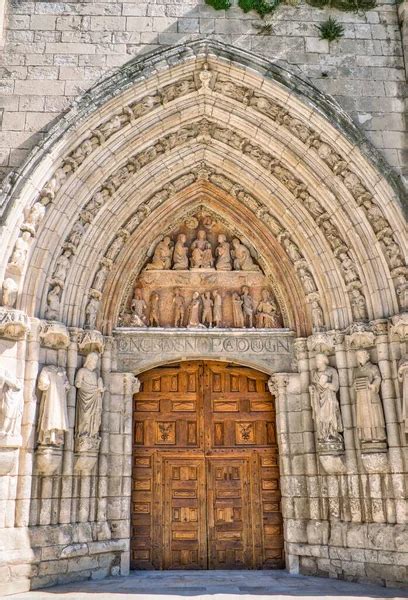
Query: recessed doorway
{"type": "Point", "coordinates": [205, 485]}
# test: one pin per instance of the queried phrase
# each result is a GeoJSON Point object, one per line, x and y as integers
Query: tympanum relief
{"type": "Point", "coordinates": [201, 276]}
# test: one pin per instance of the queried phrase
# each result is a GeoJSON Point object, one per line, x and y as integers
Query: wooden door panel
{"type": "Point", "coordinates": [184, 539]}
{"type": "Point", "coordinates": [229, 522]}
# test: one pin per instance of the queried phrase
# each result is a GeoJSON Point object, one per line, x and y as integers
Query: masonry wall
{"type": "Point", "coordinates": [54, 51]}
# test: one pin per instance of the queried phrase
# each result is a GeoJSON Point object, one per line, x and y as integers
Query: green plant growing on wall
{"type": "Point", "coordinates": [330, 30]}
{"type": "Point", "coordinates": [262, 7]}
{"type": "Point", "coordinates": [219, 4]}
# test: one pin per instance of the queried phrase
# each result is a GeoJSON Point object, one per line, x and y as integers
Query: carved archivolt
{"type": "Point", "coordinates": [204, 130]}
{"type": "Point", "coordinates": [206, 81]}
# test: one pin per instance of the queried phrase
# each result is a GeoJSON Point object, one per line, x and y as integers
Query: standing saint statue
{"type": "Point", "coordinates": [325, 406]}
{"type": "Point", "coordinates": [194, 311]}
{"type": "Point", "coordinates": [88, 416]}
{"type": "Point", "coordinates": [53, 415]}
{"type": "Point", "coordinates": [217, 309]}
{"type": "Point", "coordinates": [10, 405]}
{"type": "Point", "coordinates": [179, 308]}
{"type": "Point", "coordinates": [223, 254]}
{"type": "Point", "coordinates": [237, 314]}
{"type": "Point", "coordinates": [207, 318]}
{"type": "Point", "coordinates": [247, 307]}
{"type": "Point", "coordinates": [180, 258]}
{"type": "Point", "coordinates": [201, 252]}
{"type": "Point", "coordinates": [139, 309]}
{"type": "Point", "coordinates": [154, 317]}
{"type": "Point", "coordinates": [369, 410]}
{"type": "Point", "coordinates": [403, 377]}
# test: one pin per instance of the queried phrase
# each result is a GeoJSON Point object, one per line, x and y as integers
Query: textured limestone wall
{"type": "Point", "coordinates": [54, 51]}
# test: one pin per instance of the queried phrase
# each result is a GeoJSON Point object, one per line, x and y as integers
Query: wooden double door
{"type": "Point", "coordinates": [205, 484]}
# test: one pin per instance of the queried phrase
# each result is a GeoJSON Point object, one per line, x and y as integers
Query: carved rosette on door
{"type": "Point", "coordinates": [205, 470]}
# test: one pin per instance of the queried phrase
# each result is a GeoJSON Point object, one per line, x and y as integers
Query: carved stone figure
{"type": "Point", "coordinates": [223, 254]}
{"type": "Point", "coordinates": [162, 255]}
{"type": "Point", "coordinates": [180, 258]}
{"type": "Point", "coordinates": [242, 258]}
{"type": "Point", "coordinates": [88, 415]}
{"type": "Point", "coordinates": [217, 309]}
{"type": "Point", "coordinates": [403, 377]}
{"type": "Point", "coordinates": [53, 303]}
{"type": "Point", "coordinates": [266, 314]}
{"type": "Point", "coordinates": [247, 307]}
{"type": "Point", "coordinates": [10, 406]}
{"type": "Point", "coordinates": [76, 233]}
{"type": "Point", "coordinates": [402, 291]}
{"type": "Point", "coordinates": [61, 267]}
{"type": "Point", "coordinates": [34, 217]}
{"type": "Point", "coordinates": [291, 249]}
{"type": "Point", "coordinates": [392, 252]}
{"type": "Point", "coordinates": [115, 247]}
{"type": "Point", "coordinates": [237, 313]}
{"type": "Point", "coordinates": [317, 316]}
{"type": "Point", "coordinates": [348, 268]}
{"type": "Point", "coordinates": [201, 252]}
{"type": "Point", "coordinates": [91, 312]}
{"type": "Point", "coordinates": [205, 78]}
{"type": "Point", "coordinates": [358, 305]}
{"type": "Point", "coordinates": [9, 292]}
{"type": "Point", "coordinates": [139, 309]}
{"type": "Point", "coordinates": [154, 317]}
{"type": "Point", "coordinates": [17, 259]}
{"type": "Point", "coordinates": [369, 410]}
{"type": "Point", "coordinates": [194, 311]}
{"type": "Point", "coordinates": [53, 415]}
{"type": "Point", "coordinates": [207, 318]}
{"type": "Point", "coordinates": [179, 308]}
{"type": "Point", "coordinates": [325, 405]}
{"type": "Point", "coordinates": [101, 276]}
{"type": "Point", "coordinates": [307, 281]}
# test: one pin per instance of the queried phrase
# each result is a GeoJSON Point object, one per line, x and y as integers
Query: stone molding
{"type": "Point", "coordinates": [14, 324]}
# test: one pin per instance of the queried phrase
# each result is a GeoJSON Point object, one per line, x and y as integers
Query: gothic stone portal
{"type": "Point", "coordinates": [205, 470]}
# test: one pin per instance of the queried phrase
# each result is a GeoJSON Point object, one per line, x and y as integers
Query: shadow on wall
{"type": "Point", "coordinates": [130, 30]}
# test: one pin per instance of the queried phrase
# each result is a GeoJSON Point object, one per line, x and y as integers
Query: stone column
{"type": "Point", "coordinates": [122, 388]}
{"type": "Point", "coordinates": [105, 432]}
{"type": "Point", "coordinates": [286, 389]}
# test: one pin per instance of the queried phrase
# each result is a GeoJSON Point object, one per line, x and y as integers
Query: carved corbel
{"type": "Point", "coordinates": [399, 326]}
{"type": "Point", "coordinates": [91, 341]}
{"type": "Point", "coordinates": [360, 335]}
{"type": "Point", "coordinates": [321, 342]}
{"type": "Point", "coordinates": [14, 324]}
{"type": "Point", "coordinates": [54, 335]}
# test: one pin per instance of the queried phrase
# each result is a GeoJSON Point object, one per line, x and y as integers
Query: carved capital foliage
{"type": "Point", "coordinates": [360, 335]}
{"type": "Point", "coordinates": [54, 335]}
{"type": "Point", "coordinates": [399, 326]}
{"type": "Point", "coordinates": [380, 327]}
{"type": "Point", "coordinates": [48, 460]}
{"type": "Point", "coordinates": [91, 341]}
{"type": "Point", "coordinates": [278, 383]}
{"type": "Point", "coordinates": [14, 324]}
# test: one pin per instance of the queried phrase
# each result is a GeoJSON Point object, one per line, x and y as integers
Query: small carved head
{"type": "Point", "coordinates": [201, 234]}
{"type": "Point", "coordinates": [91, 361]}
{"type": "Point", "coordinates": [321, 362]}
{"type": "Point", "coordinates": [362, 357]}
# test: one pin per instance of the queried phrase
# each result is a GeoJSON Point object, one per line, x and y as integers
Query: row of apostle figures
{"type": "Point", "coordinates": [206, 310]}
{"type": "Point", "coordinates": [234, 256]}
{"type": "Point", "coordinates": [324, 389]}
{"type": "Point", "coordinates": [53, 414]}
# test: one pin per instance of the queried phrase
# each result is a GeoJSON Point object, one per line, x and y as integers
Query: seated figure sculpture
{"type": "Point", "coordinates": [201, 252]}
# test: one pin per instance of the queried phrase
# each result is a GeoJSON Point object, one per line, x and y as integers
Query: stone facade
{"type": "Point", "coordinates": [280, 163]}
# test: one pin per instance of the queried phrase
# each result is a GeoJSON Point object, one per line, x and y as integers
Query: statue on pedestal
{"type": "Point", "coordinates": [53, 415]}
{"type": "Point", "coordinates": [369, 410]}
{"type": "Point", "coordinates": [325, 405]}
{"type": "Point", "coordinates": [88, 416]}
